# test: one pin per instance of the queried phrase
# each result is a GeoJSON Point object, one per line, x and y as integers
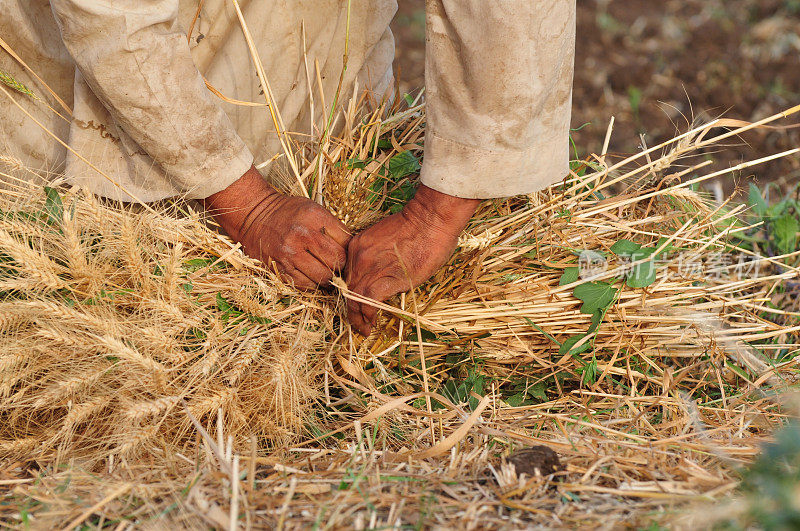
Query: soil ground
{"type": "Point", "coordinates": [657, 66]}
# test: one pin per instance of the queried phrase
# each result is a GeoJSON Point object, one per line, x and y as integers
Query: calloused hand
{"type": "Point", "coordinates": [402, 251]}
{"type": "Point", "coordinates": [305, 241]}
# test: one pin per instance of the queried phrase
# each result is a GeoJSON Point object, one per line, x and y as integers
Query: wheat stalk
{"type": "Point", "coordinates": [9, 80]}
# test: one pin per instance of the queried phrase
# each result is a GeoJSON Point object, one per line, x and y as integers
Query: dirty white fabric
{"type": "Point", "coordinates": [498, 77]}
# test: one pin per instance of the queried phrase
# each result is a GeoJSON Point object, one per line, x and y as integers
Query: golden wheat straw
{"type": "Point", "coordinates": [110, 329]}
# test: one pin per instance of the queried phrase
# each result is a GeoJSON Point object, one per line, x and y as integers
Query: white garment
{"type": "Point", "coordinates": [498, 77]}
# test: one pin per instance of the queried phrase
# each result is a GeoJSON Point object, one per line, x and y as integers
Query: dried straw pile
{"type": "Point", "coordinates": [180, 379]}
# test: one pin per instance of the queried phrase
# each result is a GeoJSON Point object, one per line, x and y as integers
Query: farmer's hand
{"type": "Point", "coordinates": [402, 251]}
{"type": "Point", "coordinates": [305, 241]}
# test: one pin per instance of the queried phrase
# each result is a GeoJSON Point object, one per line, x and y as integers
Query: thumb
{"type": "Point", "coordinates": [337, 231]}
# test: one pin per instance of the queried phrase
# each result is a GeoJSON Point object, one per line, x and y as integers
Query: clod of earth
{"type": "Point", "coordinates": [535, 461]}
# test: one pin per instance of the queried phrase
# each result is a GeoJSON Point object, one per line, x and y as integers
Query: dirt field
{"type": "Point", "coordinates": [655, 65]}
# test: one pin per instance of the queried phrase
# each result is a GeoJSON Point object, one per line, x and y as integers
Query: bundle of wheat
{"type": "Point", "coordinates": [612, 315]}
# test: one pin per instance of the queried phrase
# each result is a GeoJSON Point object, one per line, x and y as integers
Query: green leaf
{"type": "Point", "coordinates": [589, 372]}
{"type": "Point", "coordinates": [635, 98]}
{"type": "Point", "coordinates": [786, 228]}
{"type": "Point", "coordinates": [570, 275]}
{"type": "Point", "coordinates": [625, 248]}
{"type": "Point", "coordinates": [427, 336]}
{"type": "Point", "coordinates": [352, 164]}
{"type": "Point", "coordinates": [450, 391]}
{"type": "Point", "coordinates": [756, 200]}
{"type": "Point", "coordinates": [53, 206]}
{"type": "Point", "coordinates": [516, 400]}
{"type": "Point", "coordinates": [477, 383]}
{"type": "Point", "coordinates": [402, 165]}
{"type": "Point", "coordinates": [403, 193]}
{"type": "Point", "coordinates": [667, 248]}
{"type": "Point", "coordinates": [567, 346]}
{"type": "Point", "coordinates": [776, 210]}
{"type": "Point", "coordinates": [596, 296]}
{"type": "Point", "coordinates": [196, 264]}
{"type": "Point", "coordinates": [644, 274]}
{"type": "Point", "coordinates": [409, 99]}
{"type": "Point", "coordinates": [419, 403]}
{"type": "Point", "coordinates": [226, 308]}
{"type": "Point", "coordinates": [473, 403]}
{"type": "Point", "coordinates": [222, 304]}
{"type": "Point", "coordinates": [538, 391]}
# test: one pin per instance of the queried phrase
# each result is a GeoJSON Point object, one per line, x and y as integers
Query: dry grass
{"type": "Point", "coordinates": [151, 373]}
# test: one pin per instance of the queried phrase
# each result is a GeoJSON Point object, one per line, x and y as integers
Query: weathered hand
{"type": "Point", "coordinates": [305, 241]}
{"type": "Point", "coordinates": [402, 251]}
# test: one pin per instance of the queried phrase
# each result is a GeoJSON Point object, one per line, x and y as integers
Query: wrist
{"type": "Point", "coordinates": [442, 210]}
{"type": "Point", "coordinates": [236, 206]}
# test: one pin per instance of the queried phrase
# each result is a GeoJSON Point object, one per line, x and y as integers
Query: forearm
{"type": "Point", "coordinates": [245, 200]}
{"type": "Point", "coordinates": [444, 211]}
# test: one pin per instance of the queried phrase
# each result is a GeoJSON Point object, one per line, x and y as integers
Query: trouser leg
{"type": "Point", "coordinates": [498, 79]}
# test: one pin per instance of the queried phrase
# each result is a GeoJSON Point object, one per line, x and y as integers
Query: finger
{"type": "Point", "coordinates": [369, 316]}
{"type": "Point", "coordinates": [388, 285]}
{"type": "Point", "coordinates": [312, 268]}
{"type": "Point", "coordinates": [356, 319]}
{"type": "Point", "coordinates": [380, 290]}
{"type": "Point", "coordinates": [366, 267]}
{"type": "Point", "coordinates": [337, 231]}
{"type": "Point", "coordinates": [329, 252]}
{"type": "Point", "coordinates": [363, 316]}
{"type": "Point", "coordinates": [353, 311]}
{"type": "Point", "coordinates": [356, 315]}
{"type": "Point", "coordinates": [360, 317]}
{"type": "Point", "coordinates": [365, 328]}
{"type": "Point", "coordinates": [300, 280]}
{"type": "Point", "coordinates": [359, 272]}
{"type": "Point", "coordinates": [351, 268]}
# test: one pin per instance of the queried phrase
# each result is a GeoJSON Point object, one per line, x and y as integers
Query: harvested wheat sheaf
{"type": "Point", "coordinates": [127, 336]}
